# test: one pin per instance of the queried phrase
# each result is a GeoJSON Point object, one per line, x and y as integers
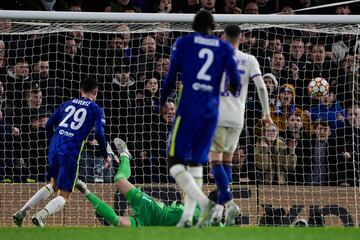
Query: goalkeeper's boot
{"type": "Point", "coordinates": [122, 147]}
{"type": "Point", "coordinates": [111, 153]}
{"type": "Point", "coordinates": [232, 211]}
{"type": "Point", "coordinates": [18, 217]}
{"type": "Point", "coordinates": [218, 214]}
{"type": "Point", "coordinates": [185, 222]}
{"type": "Point", "coordinates": [206, 214]}
{"type": "Point", "coordinates": [81, 186]}
{"type": "Point", "coordinates": [37, 220]}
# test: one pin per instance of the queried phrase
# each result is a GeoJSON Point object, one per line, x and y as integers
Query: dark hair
{"type": "Point", "coordinates": [321, 123]}
{"type": "Point", "coordinates": [288, 115]}
{"type": "Point", "coordinates": [232, 31]}
{"type": "Point", "coordinates": [203, 22]}
{"type": "Point", "coordinates": [88, 84]}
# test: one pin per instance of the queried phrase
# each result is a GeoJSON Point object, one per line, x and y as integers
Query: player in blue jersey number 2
{"type": "Point", "coordinates": [67, 129]}
{"type": "Point", "coordinates": [202, 60]}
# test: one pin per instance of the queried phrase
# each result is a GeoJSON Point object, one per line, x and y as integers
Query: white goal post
{"type": "Point", "coordinates": [43, 56]}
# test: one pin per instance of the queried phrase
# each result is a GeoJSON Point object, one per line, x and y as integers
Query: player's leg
{"type": "Point", "coordinates": [217, 170]}
{"type": "Point", "coordinates": [103, 209]}
{"type": "Point", "coordinates": [232, 210]}
{"type": "Point", "coordinates": [200, 156]}
{"type": "Point", "coordinates": [179, 150]}
{"type": "Point", "coordinates": [65, 182]}
{"type": "Point", "coordinates": [43, 193]}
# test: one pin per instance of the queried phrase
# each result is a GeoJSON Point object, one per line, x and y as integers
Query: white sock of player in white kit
{"type": "Point", "coordinates": [189, 185]}
{"type": "Point", "coordinates": [197, 173]}
{"type": "Point", "coordinates": [53, 206]}
{"type": "Point", "coordinates": [41, 195]}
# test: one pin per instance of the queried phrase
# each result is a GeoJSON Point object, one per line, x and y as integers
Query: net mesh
{"type": "Point", "coordinates": [41, 64]}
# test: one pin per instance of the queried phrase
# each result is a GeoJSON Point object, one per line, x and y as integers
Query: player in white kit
{"type": "Point", "coordinates": [230, 125]}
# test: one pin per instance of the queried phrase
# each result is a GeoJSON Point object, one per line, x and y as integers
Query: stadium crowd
{"type": "Point", "coordinates": [314, 141]}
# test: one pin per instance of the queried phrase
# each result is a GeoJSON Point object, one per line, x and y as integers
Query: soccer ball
{"type": "Point", "coordinates": [318, 87]}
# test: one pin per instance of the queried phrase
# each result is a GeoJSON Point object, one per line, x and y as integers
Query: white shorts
{"type": "Point", "coordinates": [225, 139]}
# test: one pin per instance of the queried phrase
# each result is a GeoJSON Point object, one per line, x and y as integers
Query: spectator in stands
{"type": "Point", "coordinates": [285, 105]}
{"type": "Point", "coordinates": [272, 88]}
{"type": "Point", "coordinates": [31, 119]}
{"type": "Point", "coordinates": [208, 5]}
{"type": "Point", "coordinates": [287, 10]}
{"type": "Point", "coordinates": [321, 66]}
{"type": "Point", "coordinates": [295, 133]}
{"type": "Point", "coordinates": [71, 47]}
{"type": "Point", "coordinates": [297, 56]}
{"type": "Point", "coordinates": [161, 67]}
{"type": "Point", "coordinates": [160, 129]}
{"type": "Point", "coordinates": [16, 80]}
{"type": "Point", "coordinates": [74, 6]}
{"type": "Point", "coordinates": [348, 144]}
{"type": "Point", "coordinates": [78, 36]}
{"type": "Point", "coordinates": [125, 32]}
{"type": "Point", "coordinates": [162, 39]}
{"type": "Point", "coordinates": [165, 6]}
{"type": "Point", "coordinates": [251, 8]}
{"type": "Point", "coordinates": [230, 7]}
{"type": "Point", "coordinates": [152, 93]}
{"type": "Point", "coordinates": [239, 171]}
{"type": "Point", "coordinates": [118, 96]}
{"type": "Point", "coordinates": [122, 6]}
{"type": "Point", "coordinates": [329, 110]}
{"type": "Point", "coordinates": [266, 6]}
{"type": "Point", "coordinates": [343, 9]}
{"type": "Point", "coordinates": [278, 69]}
{"type": "Point", "coordinates": [324, 157]}
{"type": "Point", "coordinates": [3, 62]}
{"type": "Point", "coordinates": [347, 80]}
{"type": "Point", "coordinates": [274, 159]}
{"type": "Point", "coordinates": [145, 62]}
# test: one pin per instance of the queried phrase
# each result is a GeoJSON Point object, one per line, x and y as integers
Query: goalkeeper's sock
{"type": "Point", "coordinates": [222, 183]}
{"type": "Point", "coordinates": [188, 184]}
{"type": "Point", "coordinates": [103, 209]}
{"type": "Point", "coordinates": [124, 170]}
{"type": "Point", "coordinates": [227, 169]}
{"type": "Point", "coordinates": [52, 207]}
{"type": "Point", "coordinates": [42, 194]}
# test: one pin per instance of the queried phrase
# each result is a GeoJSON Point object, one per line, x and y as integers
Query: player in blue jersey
{"type": "Point", "coordinates": [201, 59]}
{"type": "Point", "coordinates": [67, 128]}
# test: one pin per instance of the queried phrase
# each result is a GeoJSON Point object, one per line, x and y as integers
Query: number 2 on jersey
{"type": "Point", "coordinates": [209, 55]}
{"type": "Point", "coordinates": [78, 119]}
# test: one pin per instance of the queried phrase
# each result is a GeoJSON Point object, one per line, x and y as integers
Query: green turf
{"type": "Point", "coordinates": [171, 233]}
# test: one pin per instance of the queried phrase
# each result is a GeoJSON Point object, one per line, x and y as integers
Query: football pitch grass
{"type": "Point", "coordinates": [172, 233]}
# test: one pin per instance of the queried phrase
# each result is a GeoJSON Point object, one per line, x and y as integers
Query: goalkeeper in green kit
{"type": "Point", "coordinates": [147, 211]}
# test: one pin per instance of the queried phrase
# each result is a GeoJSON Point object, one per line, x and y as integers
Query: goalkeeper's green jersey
{"type": "Point", "coordinates": [149, 212]}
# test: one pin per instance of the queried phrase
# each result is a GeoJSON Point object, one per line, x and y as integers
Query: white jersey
{"type": "Point", "coordinates": [232, 109]}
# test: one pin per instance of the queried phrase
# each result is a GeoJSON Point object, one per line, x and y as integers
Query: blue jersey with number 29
{"type": "Point", "coordinates": [202, 61]}
{"type": "Point", "coordinates": [69, 126]}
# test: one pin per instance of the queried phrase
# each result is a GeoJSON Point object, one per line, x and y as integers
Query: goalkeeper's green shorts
{"type": "Point", "coordinates": [148, 212]}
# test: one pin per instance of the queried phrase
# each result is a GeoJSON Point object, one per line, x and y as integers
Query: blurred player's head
{"type": "Point", "coordinates": [203, 22]}
{"type": "Point", "coordinates": [232, 34]}
{"type": "Point", "coordinates": [89, 88]}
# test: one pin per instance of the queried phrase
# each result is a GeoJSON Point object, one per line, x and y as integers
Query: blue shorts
{"type": "Point", "coordinates": [63, 168]}
{"type": "Point", "coordinates": [190, 139]}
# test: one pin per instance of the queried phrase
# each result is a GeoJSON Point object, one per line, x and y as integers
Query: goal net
{"type": "Point", "coordinates": [302, 170]}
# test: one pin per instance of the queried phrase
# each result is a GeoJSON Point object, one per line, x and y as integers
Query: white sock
{"type": "Point", "coordinates": [189, 203]}
{"type": "Point", "coordinates": [188, 184]}
{"type": "Point", "coordinates": [42, 194]}
{"type": "Point", "coordinates": [52, 207]}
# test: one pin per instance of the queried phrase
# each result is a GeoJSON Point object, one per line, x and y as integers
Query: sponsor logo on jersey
{"type": "Point", "coordinates": [202, 87]}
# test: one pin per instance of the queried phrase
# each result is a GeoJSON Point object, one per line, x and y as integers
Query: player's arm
{"type": "Point", "coordinates": [100, 131]}
{"type": "Point", "coordinates": [170, 80]}
{"type": "Point", "coordinates": [256, 76]}
{"type": "Point", "coordinates": [53, 122]}
{"type": "Point", "coordinates": [232, 71]}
